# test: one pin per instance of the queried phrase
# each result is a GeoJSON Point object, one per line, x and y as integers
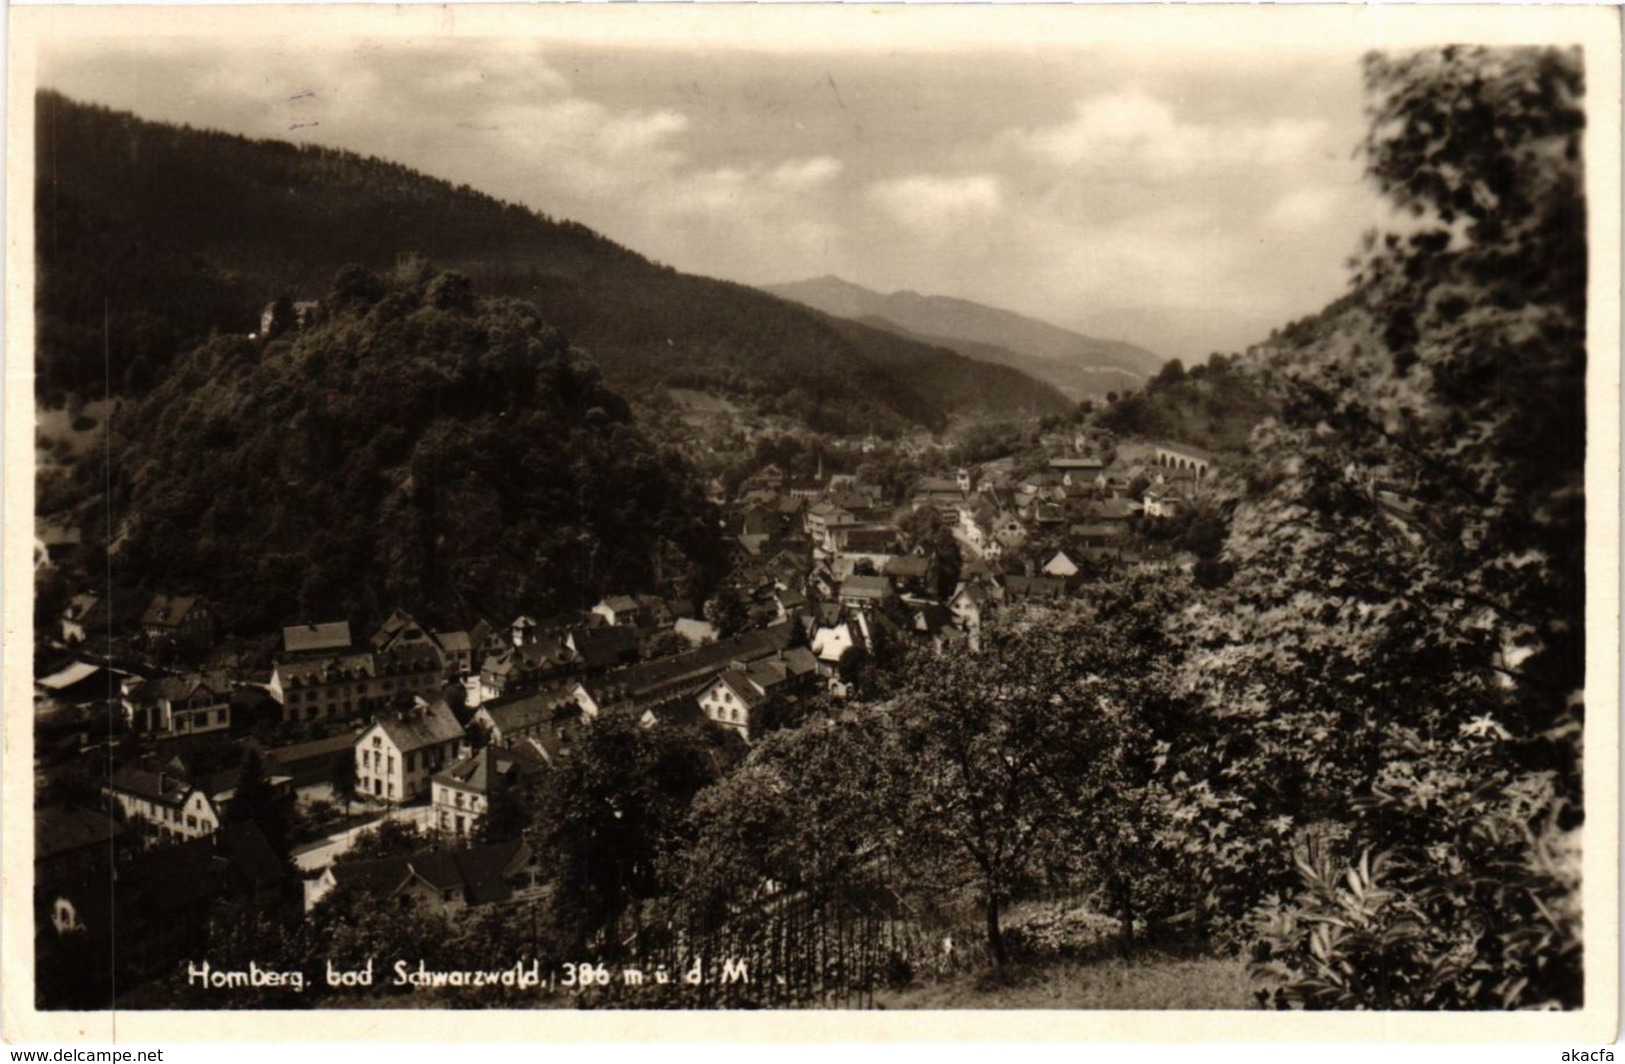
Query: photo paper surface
{"type": "Point", "coordinates": [670, 522]}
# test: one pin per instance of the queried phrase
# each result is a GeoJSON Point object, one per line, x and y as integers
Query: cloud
{"type": "Point", "coordinates": [1302, 208]}
{"type": "Point", "coordinates": [804, 174]}
{"type": "Point", "coordinates": [1132, 131]}
{"type": "Point", "coordinates": [928, 202]}
{"type": "Point", "coordinates": [1182, 205]}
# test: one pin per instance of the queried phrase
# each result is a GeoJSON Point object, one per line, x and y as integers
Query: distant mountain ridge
{"type": "Point", "coordinates": [1079, 365]}
{"type": "Point", "coordinates": [223, 224]}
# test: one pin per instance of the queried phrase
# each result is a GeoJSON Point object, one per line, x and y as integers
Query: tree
{"type": "Point", "coordinates": [510, 813]}
{"type": "Point", "coordinates": [791, 859]}
{"type": "Point", "coordinates": [255, 802]}
{"type": "Point", "coordinates": [1396, 667]}
{"type": "Point", "coordinates": [994, 746]}
{"type": "Point", "coordinates": [1171, 373]}
{"type": "Point", "coordinates": [390, 838]}
{"type": "Point", "coordinates": [344, 781]}
{"type": "Point", "coordinates": [665, 643]}
{"type": "Point", "coordinates": [611, 814]}
{"type": "Point", "coordinates": [728, 611]}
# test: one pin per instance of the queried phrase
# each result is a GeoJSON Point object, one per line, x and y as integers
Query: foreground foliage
{"type": "Point", "coordinates": [1393, 680]}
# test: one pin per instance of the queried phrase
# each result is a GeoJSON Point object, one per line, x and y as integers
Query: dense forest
{"type": "Point", "coordinates": [168, 232]}
{"type": "Point", "coordinates": [419, 446]}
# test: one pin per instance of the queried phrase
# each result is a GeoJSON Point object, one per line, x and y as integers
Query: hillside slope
{"type": "Point", "coordinates": [1078, 364]}
{"type": "Point", "coordinates": [234, 222]}
{"type": "Point", "coordinates": [419, 447]}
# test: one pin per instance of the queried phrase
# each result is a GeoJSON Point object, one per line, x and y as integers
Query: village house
{"type": "Point", "coordinates": [621, 609]}
{"type": "Point", "coordinates": [734, 699]}
{"type": "Point", "coordinates": [806, 489]}
{"type": "Point", "coordinates": [1077, 471]}
{"type": "Point", "coordinates": [1009, 532]}
{"type": "Point", "coordinates": [306, 312]}
{"type": "Point", "coordinates": [222, 787]}
{"type": "Point", "coordinates": [831, 641]}
{"type": "Point", "coordinates": [397, 755]}
{"type": "Point", "coordinates": [77, 683]}
{"type": "Point", "coordinates": [313, 763]}
{"type": "Point", "coordinates": [865, 592]}
{"type": "Point", "coordinates": [972, 601]}
{"type": "Point", "coordinates": [846, 565]}
{"type": "Point", "coordinates": [791, 510]}
{"type": "Point", "coordinates": [71, 842]}
{"type": "Point", "coordinates": [193, 703]}
{"type": "Point", "coordinates": [597, 649]}
{"type": "Point", "coordinates": [83, 613]}
{"type": "Point", "coordinates": [1118, 512]}
{"type": "Point", "coordinates": [455, 650]}
{"type": "Point", "coordinates": [1092, 543]}
{"type": "Point", "coordinates": [162, 806]}
{"type": "Point", "coordinates": [1162, 501]}
{"type": "Point", "coordinates": [874, 540]}
{"type": "Point", "coordinates": [322, 640]}
{"type": "Point", "coordinates": [637, 687]}
{"type": "Point", "coordinates": [486, 638]}
{"type": "Point", "coordinates": [461, 795]}
{"type": "Point", "coordinates": [55, 542]}
{"type": "Point", "coordinates": [517, 669]}
{"type": "Point", "coordinates": [945, 496]}
{"type": "Point", "coordinates": [908, 571]}
{"type": "Point", "coordinates": [183, 619]}
{"type": "Point", "coordinates": [533, 716]}
{"type": "Point", "coordinates": [822, 515]}
{"type": "Point", "coordinates": [444, 881]}
{"type": "Point", "coordinates": [769, 478]}
{"type": "Point", "coordinates": [524, 630]}
{"type": "Point", "coordinates": [935, 625]}
{"type": "Point", "coordinates": [1061, 565]}
{"type": "Point", "coordinates": [694, 631]}
{"type": "Point", "coordinates": [1034, 588]}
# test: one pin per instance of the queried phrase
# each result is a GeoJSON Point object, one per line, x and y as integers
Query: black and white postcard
{"type": "Point", "coordinates": [660, 521]}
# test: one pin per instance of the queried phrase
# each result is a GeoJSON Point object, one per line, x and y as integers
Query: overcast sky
{"type": "Point", "coordinates": [1184, 200]}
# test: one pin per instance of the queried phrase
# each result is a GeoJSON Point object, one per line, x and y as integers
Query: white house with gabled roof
{"type": "Point", "coordinates": [401, 751]}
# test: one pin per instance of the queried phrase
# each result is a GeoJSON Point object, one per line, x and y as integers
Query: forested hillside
{"type": "Point", "coordinates": [1215, 404]}
{"type": "Point", "coordinates": [421, 446]}
{"type": "Point", "coordinates": [175, 231]}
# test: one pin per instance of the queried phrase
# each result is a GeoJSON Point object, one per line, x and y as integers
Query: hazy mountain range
{"type": "Point", "coordinates": [1078, 365]}
{"type": "Point", "coordinates": [150, 236]}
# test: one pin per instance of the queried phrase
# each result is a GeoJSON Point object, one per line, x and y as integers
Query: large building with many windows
{"type": "Point", "coordinates": [342, 686]}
